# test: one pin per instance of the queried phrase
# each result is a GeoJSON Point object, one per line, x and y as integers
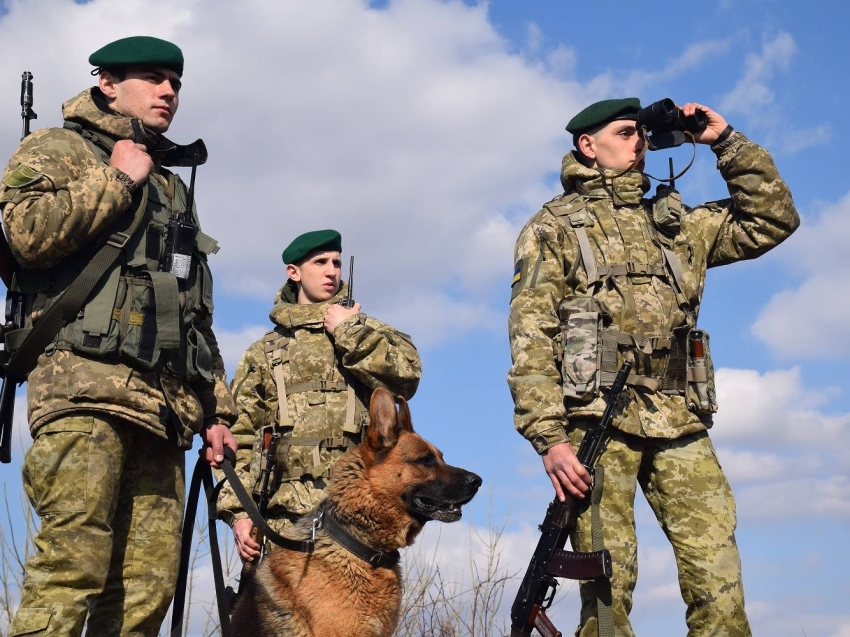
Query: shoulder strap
{"type": "Point", "coordinates": [274, 345]}
{"type": "Point", "coordinates": [571, 210]}
{"type": "Point", "coordinates": [72, 300]}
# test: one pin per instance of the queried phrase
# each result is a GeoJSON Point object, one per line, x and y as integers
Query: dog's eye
{"type": "Point", "coordinates": [428, 460]}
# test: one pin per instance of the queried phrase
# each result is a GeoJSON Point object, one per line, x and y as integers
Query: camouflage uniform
{"type": "Point", "coordinates": [105, 471]}
{"type": "Point", "coordinates": [328, 382]}
{"type": "Point", "coordinates": [660, 443]}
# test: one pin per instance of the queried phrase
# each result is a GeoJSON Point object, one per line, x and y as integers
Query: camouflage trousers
{"type": "Point", "coordinates": [110, 498]}
{"type": "Point", "coordinates": [686, 489]}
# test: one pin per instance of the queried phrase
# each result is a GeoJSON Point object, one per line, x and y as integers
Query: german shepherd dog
{"type": "Point", "coordinates": [382, 493]}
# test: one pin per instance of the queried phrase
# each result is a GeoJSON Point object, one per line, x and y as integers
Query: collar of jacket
{"type": "Point", "coordinates": [288, 313]}
{"type": "Point", "coordinates": [89, 110]}
{"type": "Point", "coordinates": [623, 190]}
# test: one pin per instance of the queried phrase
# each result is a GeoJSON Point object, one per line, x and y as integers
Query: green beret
{"type": "Point", "coordinates": [301, 246]}
{"type": "Point", "coordinates": [139, 49]}
{"type": "Point", "coordinates": [601, 113]}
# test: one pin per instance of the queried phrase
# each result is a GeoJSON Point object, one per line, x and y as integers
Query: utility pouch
{"type": "Point", "coordinates": [700, 393]}
{"type": "Point", "coordinates": [667, 210]}
{"type": "Point", "coordinates": [578, 344]}
{"type": "Point", "coordinates": [136, 315]}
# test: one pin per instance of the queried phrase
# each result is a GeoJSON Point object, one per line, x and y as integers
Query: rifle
{"type": "Point", "coordinates": [271, 436]}
{"type": "Point", "coordinates": [9, 269]}
{"type": "Point", "coordinates": [550, 560]}
{"type": "Point", "coordinates": [348, 301]}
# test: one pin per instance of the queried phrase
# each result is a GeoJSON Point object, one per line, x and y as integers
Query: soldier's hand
{"type": "Point", "coordinates": [132, 159]}
{"type": "Point", "coordinates": [247, 548]}
{"type": "Point", "coordinates": [336, 314]}
{"type": "Point", "coordinates": [716, 122]}
{"type": "Point", "coordinates": [565, 471]}
{"type": "Point", "coordinates": [216, 436]}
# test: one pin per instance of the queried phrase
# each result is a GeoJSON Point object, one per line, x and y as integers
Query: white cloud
{"type": "Point", "coordinates": [813, 319]}
{"type": "Point", "coordinates": [234, 343]}
{"type": "Point", "coordinates": [752, 93]}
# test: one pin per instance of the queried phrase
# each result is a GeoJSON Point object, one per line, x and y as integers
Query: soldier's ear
{"type": "Point", "coordinates": [293, 272]}
{"type": "Point", "coordinates": [106, 83]}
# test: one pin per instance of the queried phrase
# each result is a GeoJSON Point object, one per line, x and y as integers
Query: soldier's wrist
{"type": "Point", "coordinates": [545, 440]}
{"type": "Point", "coordinates": [125, 179]}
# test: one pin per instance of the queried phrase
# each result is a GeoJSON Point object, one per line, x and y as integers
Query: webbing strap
{"type": "Point", "coordinates": [587, 255]}
{"type": "Point", "coordinates": [604, 609]}
{"type": "Point", "coordinates": [318, 385]}
{"type": "Point", "coordinates": [631, 267]}
{"type": "Point", "coordinates": [73, 299]}
{"type": "Point", "coordinates": [283, 418]}
{"type": "Point", "coordinates": [166, 296]}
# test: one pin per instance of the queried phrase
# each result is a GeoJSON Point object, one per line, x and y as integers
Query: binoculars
{"type": "Point", "coordinates": [667, 123]}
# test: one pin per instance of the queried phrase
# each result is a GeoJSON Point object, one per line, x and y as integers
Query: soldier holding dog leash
{"type": "Point", "coordinates": [117, 345]}
{"type": "Point", "coordinates": [325, 359]}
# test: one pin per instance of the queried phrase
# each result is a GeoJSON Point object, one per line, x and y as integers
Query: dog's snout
{"type": "Point", "coordinates": [473, 480]}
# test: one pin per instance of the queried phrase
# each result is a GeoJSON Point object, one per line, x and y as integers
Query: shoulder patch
{"type": "Point", "coordinates": [22, 176]}
{"type": "Point", "coordinates": [519, 278]}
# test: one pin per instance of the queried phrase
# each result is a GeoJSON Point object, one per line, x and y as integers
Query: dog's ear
{"type": "Point", "coordinates": [384, 428]}
{"type": "Point", "coordinates": [404, 421]}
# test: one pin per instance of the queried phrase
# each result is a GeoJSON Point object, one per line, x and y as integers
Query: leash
{"type": "Point", "coordinates": [201, 475]}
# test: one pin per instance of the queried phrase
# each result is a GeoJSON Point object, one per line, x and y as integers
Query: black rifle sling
{"type": "Point", "coordinates": [72, 300]}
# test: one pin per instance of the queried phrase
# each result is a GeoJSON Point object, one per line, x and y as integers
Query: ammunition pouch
{"type": "Point", "coordinates": [578, 342]}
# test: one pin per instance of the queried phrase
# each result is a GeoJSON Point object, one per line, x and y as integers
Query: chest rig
{"type": "Point", "coordinates": [591, 346]}
{"type": "Point", "coordinates": [137, 313]}
{"type": "Point", "coordinates": [306, 457]}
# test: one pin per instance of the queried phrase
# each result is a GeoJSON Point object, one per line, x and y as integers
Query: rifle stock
{"type": "Point", "coordinates": [549, 559]}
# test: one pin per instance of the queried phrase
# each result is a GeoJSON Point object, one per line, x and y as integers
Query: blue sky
{"type": "Point", "coordinates": [427, 132]}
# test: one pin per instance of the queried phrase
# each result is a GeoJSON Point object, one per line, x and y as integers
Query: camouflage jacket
{"type": "Point", "coordinates": [364, 353]}
{"type": "Point", "coordinates": [549, 273]}
{"type": "Point", "coordinates": [70, 199]}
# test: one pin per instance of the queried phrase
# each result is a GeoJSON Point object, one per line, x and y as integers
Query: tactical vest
{"type": "Point", "coordinates": [590, 347]}
{"type": "Point", "coordinates": [300, 457]}
{"type": "Point", "coordinates": [137, 313]}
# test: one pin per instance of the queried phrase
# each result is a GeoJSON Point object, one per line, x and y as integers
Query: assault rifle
{"type": "Point", "coordinates": [9, 268]}
{"type": "Point", "coordinates": [550, 560]}
{"type": "Point", "coordinates": [270, 440]}
{"type": "Point", "coordinates": [348, 301]}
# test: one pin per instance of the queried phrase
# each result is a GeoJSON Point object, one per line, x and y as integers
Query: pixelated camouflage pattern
{"type": "Point", "coordinates": [57, 197]}
{"type": "Point", "coordinates": [110, 499]}
{"type": "Point", "coordinates": [580, 344]}
{"type": "Point", "coordinates": [691, 498]}
{"type": "Point", "coordinates": [367, 350]}
{"type": "Point", "coordinates": [759, 215]}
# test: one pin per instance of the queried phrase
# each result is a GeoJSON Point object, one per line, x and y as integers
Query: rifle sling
{"type": "Point", "coordinates": [73, 299]}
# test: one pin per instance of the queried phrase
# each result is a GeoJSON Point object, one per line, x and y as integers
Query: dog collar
{"type": "Point", "coordinates": [378, 559]}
